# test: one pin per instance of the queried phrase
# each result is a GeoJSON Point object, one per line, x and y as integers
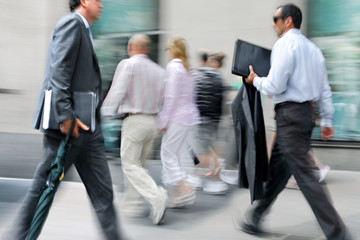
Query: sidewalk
{"type": "Point", "coordinates": [72, 217]}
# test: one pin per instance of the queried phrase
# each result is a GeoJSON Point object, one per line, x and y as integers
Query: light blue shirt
{"type": "Point", "coordinates": [298, 74]}
{"type": "Point", "coordinates": [84, 19]}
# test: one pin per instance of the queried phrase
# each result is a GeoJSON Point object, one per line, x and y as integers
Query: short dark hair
{"type": "Point", "coordinates": [73, 4]}
{"type": "Point", "coordinates": [204, 56]}
{"type": "Point", "coordinates": [290, 10]}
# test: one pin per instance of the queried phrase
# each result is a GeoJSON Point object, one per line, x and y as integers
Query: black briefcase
{"type": "Point", "coordinates": [246, 54]}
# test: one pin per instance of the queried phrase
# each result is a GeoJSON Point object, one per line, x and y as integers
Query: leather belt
{"type": "Point", "coordinates": [132, 114]}
{"type": "Point", "coordinates": [279, 105]}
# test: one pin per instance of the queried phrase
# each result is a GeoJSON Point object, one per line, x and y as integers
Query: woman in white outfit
{"type": "Point", "coordinates": [178, 116]}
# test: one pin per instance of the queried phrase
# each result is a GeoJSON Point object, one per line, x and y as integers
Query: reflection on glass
{"type": "Point", "coordinates": [334, 27]}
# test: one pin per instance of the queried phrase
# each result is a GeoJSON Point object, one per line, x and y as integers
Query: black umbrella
{"type": "Point", "coordinates": [55, 175]}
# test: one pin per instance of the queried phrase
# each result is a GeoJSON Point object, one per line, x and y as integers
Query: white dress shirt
{"type": "Point", "coordinates": [298, 74]}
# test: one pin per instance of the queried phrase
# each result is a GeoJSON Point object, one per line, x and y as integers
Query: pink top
{"type": "Point", "coordinates": [179, 97]}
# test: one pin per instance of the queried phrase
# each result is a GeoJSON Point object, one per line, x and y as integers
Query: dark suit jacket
{"type": "Point", "coordinates": [250, 138]}
{"type": "Point", "coordinates": [71, 66]}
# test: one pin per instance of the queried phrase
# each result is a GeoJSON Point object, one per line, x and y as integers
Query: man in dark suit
{"type": "Point", "coordinates": [72, 67]}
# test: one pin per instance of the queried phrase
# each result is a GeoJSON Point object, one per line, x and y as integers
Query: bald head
{"type": "Point", "coordinates": [138, 44]}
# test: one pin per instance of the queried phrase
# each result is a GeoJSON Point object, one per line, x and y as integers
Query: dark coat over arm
{"type": "Point", "coordinates": [250, 138]}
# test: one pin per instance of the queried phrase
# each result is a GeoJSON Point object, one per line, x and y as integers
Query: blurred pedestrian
{"type": "Point", "coordinates": [321, 170]}
{"type": "Point", "coordinates": [72, 67]}
{"type": "Point", "coordinates": [209, 100]}
{"type": "Point", "coordinates": [203, 55]}
{"type": "Point", "coordinates": [178, 116]}
{"type": "Point", "coordinates": [296, 78]}
{"type": "Point", "coordinates": [136, 92]}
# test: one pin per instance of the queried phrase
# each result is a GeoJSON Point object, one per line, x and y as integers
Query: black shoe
{"type": "Point", "coordinates": [251, 229]}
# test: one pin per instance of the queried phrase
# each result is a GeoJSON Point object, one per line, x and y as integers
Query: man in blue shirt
{"type": "Point", "coordinates": [297, 77]}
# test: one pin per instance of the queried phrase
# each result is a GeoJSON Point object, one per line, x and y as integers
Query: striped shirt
{"type": "Point", "coordinates": [209, 93]}
{"type": "Point", "coordinates": [137, 87]}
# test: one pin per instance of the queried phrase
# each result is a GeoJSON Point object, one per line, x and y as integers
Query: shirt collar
{"type": "Point", "coordinates": [84, 19]}
{"type": "Point", "coordinates": [139, 55]}
{"type": "Point", "coordinates": [293, 31]}
{"type": "Point", "coordinates": [176, 60]}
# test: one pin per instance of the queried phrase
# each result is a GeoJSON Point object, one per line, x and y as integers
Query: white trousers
{"type": "Point", "coordinates": [138, 134]}
{"type": "Point", "coordinates": [175, 154]}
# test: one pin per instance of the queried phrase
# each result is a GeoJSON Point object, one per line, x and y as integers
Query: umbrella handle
{"type": "Point", "coordinates": [68, 135]}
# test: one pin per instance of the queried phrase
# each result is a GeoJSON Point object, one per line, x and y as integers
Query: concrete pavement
{"type": "Point", "coordinates": [72, 217]}
{"type": "Point", "coordinates": [212, 217]}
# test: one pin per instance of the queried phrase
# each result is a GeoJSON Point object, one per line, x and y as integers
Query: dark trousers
{"type": "Point", "coordinates": [289, 157]}
{"type": "Point", "coordinates": [88, 155]}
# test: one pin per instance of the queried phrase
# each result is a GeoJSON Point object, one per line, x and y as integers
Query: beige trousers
{"type": "Point", "coordinates": [138, 134]}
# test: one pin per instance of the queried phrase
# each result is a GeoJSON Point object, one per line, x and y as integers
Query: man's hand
{"type": "Point", "coordinates": [65, 127]}
{"type": "Point", "coordinates": [327, 133]}
{"type": "Point", "coordinates": [252, 75]}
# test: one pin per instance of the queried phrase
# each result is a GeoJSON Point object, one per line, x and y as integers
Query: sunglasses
{"type": "Point", "coordinates": [276, 18]}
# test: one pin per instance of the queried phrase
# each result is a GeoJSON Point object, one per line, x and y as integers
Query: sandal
{"type": "Point", "coordinates": [214, 170]}
{"type": "Point", "coordinates": [185, 196]}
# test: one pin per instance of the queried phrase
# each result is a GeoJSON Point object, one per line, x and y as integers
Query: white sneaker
{"type": "Point", "coordinates": [216, 187]}
{"type": "Point", "coordinates": [230, 176]}
{"type": "Point", "coordinates": [324, 170]}
{"type": "Point", "coordinates": [159, 207]}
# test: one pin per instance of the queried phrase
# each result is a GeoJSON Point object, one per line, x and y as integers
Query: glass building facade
{"type": "Point", "coordinates": [119, 20]}
{"type": "Point", "coordinates": [334, 26]}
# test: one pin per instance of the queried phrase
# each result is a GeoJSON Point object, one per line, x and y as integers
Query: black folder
{"type": "Point", "coordinates": [246, 54]}
{"type": "Point", "coordinates": [84, 106]}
